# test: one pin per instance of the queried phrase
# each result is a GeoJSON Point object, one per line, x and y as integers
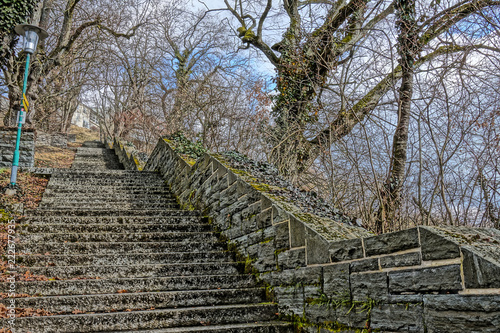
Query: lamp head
{"type": "Point", "coordinates": [31, 34]}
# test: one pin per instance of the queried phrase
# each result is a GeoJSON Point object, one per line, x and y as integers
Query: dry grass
{"type": "Point", "coordinates": [53, 157]}
{"type": "Point", "coordinates": [83, 134]}
{"type": "Point", "coordinates": [32, 188]}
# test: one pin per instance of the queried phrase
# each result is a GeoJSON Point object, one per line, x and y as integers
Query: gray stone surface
{"type": "Point", "coordinates": [439, 278]}
{"type": "Point", "coordinates": [291, 259]}
{"type": "Point", "coordinates": [391, 242]}
{"type": "Point", "coordinates": [479, 272]}
{"type": "Point", "coordinates": [398, 318]}
{"type": "Point", "coordinates": [317, 248]}
{"type": "Point", "coordinates": [435, 247]}
{"type": "Point", "coordinates": [8, 144]}
{"type": "Point", "coordinates": [365, 265]}
{"type": "Point", "coordinates": [369, 285]}
{"type": "Point", "coordinates": [336, 279]}
{"type": "Point", "coordinates": [456, 321]}
{"type": "Point", "coordinates": [346, 250]}
{"type": "Point", "coordinates": [293, 277]}
{"type": "Point", "coordinates": [401, 260]}
{"type": "Point", "coordinates": [297, 233]}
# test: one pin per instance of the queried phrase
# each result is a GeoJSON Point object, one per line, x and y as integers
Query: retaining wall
{"type": "Point", "coordinates": [328, 275]}
{"type": "Point", "coordinates": [54, 139]}
{"type": "Point", "coordinates": [128, 156]}
{"type": "Point", "coordinates": [8, 144]}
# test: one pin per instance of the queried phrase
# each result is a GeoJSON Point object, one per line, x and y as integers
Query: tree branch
{"type": "Point", "coordinates": [346, 121]}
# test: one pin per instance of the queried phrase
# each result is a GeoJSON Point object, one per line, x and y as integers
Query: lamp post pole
{"type": "Point", "coordinates": [31, 34]}
{"type": "Point", "coordinates": [15, 160]}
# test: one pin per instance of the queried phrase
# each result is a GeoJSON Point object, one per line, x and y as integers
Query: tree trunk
{"type": "Point", "coordinates": [391, 193]}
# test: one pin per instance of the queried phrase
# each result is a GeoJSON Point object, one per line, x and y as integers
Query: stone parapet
{"type": "Point", "coordinates": [128, 156]}
{"type": "Point", "coordinates": [329, 274]}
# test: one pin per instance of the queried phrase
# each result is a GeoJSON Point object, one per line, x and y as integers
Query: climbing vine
{"type": "Point", "coordinates": [12, 13]}
{"type": "Point", "coordinates": [184, 146]}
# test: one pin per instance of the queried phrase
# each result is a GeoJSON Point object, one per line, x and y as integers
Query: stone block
{"type": "Point", "coordinates": [265, 202]}
{"type": "Point", "coordinates": [370, 264]}
{"type": "Point", "coordinates": [279, 215]}
{"type": "Point", "coordinates": [316, 248]}
{"type": "Point", "coordinates": [405, 298]}
{"type": "Point", "coordinates": [462, 313]}
{"type": "Point", "coordinates": [401, 260]}
{"type": "Point", "coordinates": [369, 285]}
{"type": "Point", "coordinates": [265, 258]}
{"type": "Point", "coordinates": [282, 240]}
{"type": "Point", "coordinates": [292, 259]}
{"type": "Point", "coordinates": [290, 300]}
{"type": "Point", "coordinates": [264, 218]}
{"type": "Point", "coordinates": [243, 188]}
{"type": "Point", "coordinates": [231, 177]}
{"type": "Point", "coordinates": [319, 313]}
{"type": "Point", "coordinates": [336, 279]}
{"type": "Point", "coordinates": [249, 239]}
{"type": "Point", "coordinates": [480, 272]}
{"type": "Point", "coordinates": [297, 233]}
{"type": "Point", "coordinates": [354, 318]}
{"type": "Point", "coordinates": [391, 242]}
{"type": "Point", "coordinates": [436, 247]}
{"type": "Point", "coordinates": [398, 318]}
{"type": "Point", "coordinates": [292, 277]}
{"type": "Point", "coordinates": [252, 210]}
{"type": "Point", "coordinates": [429, 279]}
{"type": "Point", "coordinates": [346, 250]}
{"type": "Point", "coordinates": [470, 322]}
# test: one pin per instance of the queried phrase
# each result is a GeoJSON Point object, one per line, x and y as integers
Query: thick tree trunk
{"type": "Point", "coordinates": [391, 193]}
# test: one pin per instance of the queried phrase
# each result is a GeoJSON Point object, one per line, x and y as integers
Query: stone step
{"type": "Point", "coordinates": [93, 144]}
{"type": "Point", "coordinates": [109, 286]}
{"type": "Point", "coordinates": [257, 327]}
{"type": "Point", "coordinates": [111, 173]}
{"type": "Point", "coordinates": [93, 152]}
{"type": "Point", "coordinates": [88, 164]}
{"type": "Point", "coordinates": [85, 199]}
{"type": "Point", "coordinates": [137, 270]}
{"type": "Point", "coordinates": [121, 237]}
{"type": "Point", "coordinates": [152, 319]}
{"type": "Point", "coordinates": [112, 212]}
{"type": "Point", "coordinates": [76, 196]}
{"type": "Point", "coordinates": [105, 192]}
{"type": "Point", "coordinates": [145, 188]}
{"type": "Point", "coordinates": [113, 228]}
{"type": "Point", "coordinates": [99, 248]}
{"type": "Point", "coordinates": [145, 300]}
{"type": "Point", "coordinates": [106, 182]}
{"type": "Point", "coordinates": [165, 220]}
{"type": "Point", "coordinates": [104, 172]}
{"type": "Point", "coordinates": [124, 205]}
{"type": "Point", "coordinates": [117, 258]}
{"type": "Point", "coordinates": [97, 165]}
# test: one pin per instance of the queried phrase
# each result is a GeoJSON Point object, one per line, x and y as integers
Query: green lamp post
{"type": "Point", "coordinates": [32, 34]}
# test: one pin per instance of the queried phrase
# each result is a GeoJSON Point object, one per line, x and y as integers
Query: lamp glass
{"type": "Point", "coordinates": [30, 41]}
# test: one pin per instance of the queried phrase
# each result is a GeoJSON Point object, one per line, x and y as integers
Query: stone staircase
{"type": "Point", "coordinates": [122, 257]}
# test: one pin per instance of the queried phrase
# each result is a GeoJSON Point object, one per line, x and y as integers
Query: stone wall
{"type": "Point", "coordinates": [8, 144]}
{"type": "Point", "coordinates": [54, 139]}
{"type": "Point", "coordinates": [128, 156]}
{"type": "Point", "coordinates": [329, 275]}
